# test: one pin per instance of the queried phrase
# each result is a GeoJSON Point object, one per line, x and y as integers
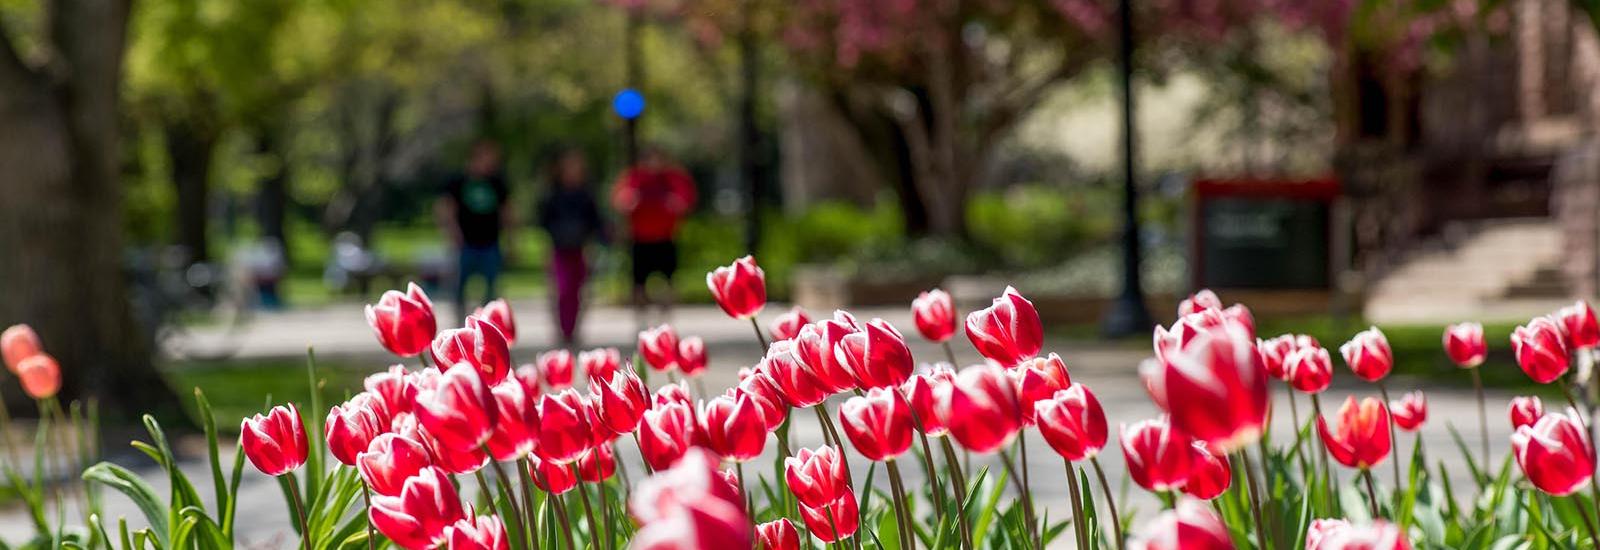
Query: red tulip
{"type": "Point", "coordinates": [479, 344]}
{"type": "Point", "coordinates": [1189, 326]}
{"type": "Point", "coordinates": [788, 325]}
{"type": "Point", "coordinates": [815, 347]}
{"type": "Point", "coordinates": [397, 391]}
{"type": "Point", "coordinates": [620, 400]}
{"type": "Point", "coordinates": [1463, 342]}
{"type": "Point", "coordinates": [1073, 422]}
{"type": "Point", "coordinates": [1008, 331]}
{"type": "Point", "coordinates": [692, 356]}
{"type": "Point", "coordinates": [672, 393]}
{"type": "Point", "coordinates": [598, 465]}
{"type": "Point", "coordinates": [1554, 453]}
{"type": "Point", "coordinates": [1368, 355]}
{"type": "Point", "coordinates": [1038, 378]}
{"type": "Point", "coordinates": [564, 431]}
{"type": "Point", "coordinates": [774, 410]}
{"type": "Point", "coordinates": [517, 431]}
{"type": "Point", "coordinates": [550, 476]}
{"type": "Point", "coordinates": [733, 426]}
{"type": "Point", "coordinates": [480, 533]}
{"type": "Point", "coordinates": [275, 443]}
{"type": "Point", "coordinates": [1338, 534]}
{"type": "Point", "coordinates": [665, 433]}
{"type": "Point", "coordinates": [1362, 439]}
{"type": "Point", "coordinates": [981, 409]}
{"type": "Point", "coordinates": [389, 461]}
{"type": "Point", "coordinates": [777, 535]}
{"type": "Point", "coordinates": [1526, 411]}
{"type": "Point", "coordinates": [1541, 349]}
{"type": "Point", "coordinates": [556, 368]}
{"type": "Point", "coordinates": [836, 521]}
{"type": "Point", "coordinates": [1310, 369]}
{"type": "Point", "coordinates": [1211, 473]}
{"type": "Point", "coordinates": [1190, 526]}
{"type": "Point", "coordinates": [599, 432]}
{"type": "Point", "coordinates": [353, 425]}
{"type": "Point", "coordinates": [40, 376]}
{"type": "Point", "coordinates": [795, 383]}
{"type": "Point", "coordinates": [1273, 353]}
{"type": "Point", "coordinates": [689, 506]}
{"type": "Point", "coordinates": [19, 342]}
{"type": "Point", "coordinates": [740, 288]}
{"type": "Point", "coordinates": [599, 363]}
{"type": "Point", "coordinates": [418, 518]}
{"type": "Point", "coordinates": [922, 391]}
{"type": "Point", "coordinates": [690, 479]}
{"type": "Point", "coordinates": [1583, 332]}
{"type": "Point", "coordinates": [878, 424]}
{"type": "Point", "coordinates": [1159, 455]}
{"type": "Point", "coordinates": [403, 322]}
{"type": "Point", "coordinates": [816, 478]}
{"type": "Point", "coordinates": [1213, 386]}
{"type": "Point", "coordinates": [529, 378]}
{"type": "Point", "coordinates": [461, 411]}
{"type": "Point", "coordinates": [498, 313]}
{"type": "Point", "coordinates": [877, 356]}
{"type": "Point", "coordinates": [659, 347]}
{"type": "Point", "coordinates": [1410, 411]}
{"type": "Point", "coordinates": [451, 460]}
{"type": "Point", "coordinates": [1200, 301]}
{"type": "Point", "coordinates": [935, 315]}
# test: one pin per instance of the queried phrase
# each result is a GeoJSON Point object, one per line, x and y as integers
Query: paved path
{"type": "Point", "coordinates": [1107, 368]}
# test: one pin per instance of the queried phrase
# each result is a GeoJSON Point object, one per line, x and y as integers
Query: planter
{"type": "Point", "coordinates": [826, 288]}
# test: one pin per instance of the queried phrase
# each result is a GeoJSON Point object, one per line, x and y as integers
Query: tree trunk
{"type": "Point", "coordinates": [272, 196]}
{"type": "Point", "coordinates": [190, 148]}
{"type": "Point", "coordinates": [61, 221]}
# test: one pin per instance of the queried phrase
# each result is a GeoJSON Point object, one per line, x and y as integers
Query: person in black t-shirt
{"type": "Point", "coordinates": [474, 213]}
{"type": "Point", "coordinates": [568, 213]}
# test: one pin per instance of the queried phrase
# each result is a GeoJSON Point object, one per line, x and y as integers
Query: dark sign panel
{"type": "Point", "coordinates": [1262, 234]}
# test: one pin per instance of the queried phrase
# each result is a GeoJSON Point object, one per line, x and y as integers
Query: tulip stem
{"type": "Point", "coordinates": [830, 435]}
{"type": "Point", "coordinates": [1022, 458]}
{"type": "Point", "coordinates": [927, 459]}
{"type": "Point", "coordinates": [749, 506]}
{"type": "Point", "coordinates": [949, 353]}
{"type": "Point", "coordinates": [289, 486]}
{"type": "Point", "coordinates": [1383, 389]}
{"type": "Point", "coordinates": [1077, 505]}
{"type": "Point", "coordinates": [1588, 521]}
{"type": "Point", "coordinates": [1022, 489]}
{"type": "Point", "coordinates": [523, 467]}
{"type": "Point", "coordinates": [960, 483]}
{"type": "Point", "coordinates": [902, 514]}
{"type": "Point", "coordinates": [505, 485]}
{"type": "Point", "coordinates": [1255, 498]}
{"type": "Point", "coordinates": [561, 516]}
{"type": "Point", "coordinates": [1299, 442]}
{"type": "Point", "coordinates": [648, 471]}
{"type": "Point", "coordinates": [1111, 502]}
{"type": "Point", "coordinates": [488, 493]}
{"type": "Point", "coordinates": [1372, 492]}
{"type": "Point", "coordinates": [1322, 450]}
{"type": "Point", "coordinates": [366, 496]}
{"type": "Point", "coordinates": [588, 509]}
{"type": "Point", "coordinates": [1483, 417]}
{"type": "Point", "coordinates": [760, 336]}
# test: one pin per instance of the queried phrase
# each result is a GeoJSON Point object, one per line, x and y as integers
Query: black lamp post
{"type": "Point", "coordinates": [1128, 315]}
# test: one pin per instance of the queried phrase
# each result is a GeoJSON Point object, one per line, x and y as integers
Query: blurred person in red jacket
{"type": "Point", "coordinates": [655, 195]}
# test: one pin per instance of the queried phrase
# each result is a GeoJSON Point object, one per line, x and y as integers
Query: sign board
{"type": "Point", "coordinates": [1262, 234]}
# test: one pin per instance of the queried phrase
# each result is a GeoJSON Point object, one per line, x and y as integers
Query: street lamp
{"type": "Point", "coordinates": [1127, 314]}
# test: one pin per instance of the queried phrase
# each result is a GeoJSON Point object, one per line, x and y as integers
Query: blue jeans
{"type": "Point", "coordinates": [483, 261]}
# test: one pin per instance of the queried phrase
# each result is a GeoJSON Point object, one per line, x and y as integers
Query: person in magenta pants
{"type": "Point", "coordinates": [571, 216]}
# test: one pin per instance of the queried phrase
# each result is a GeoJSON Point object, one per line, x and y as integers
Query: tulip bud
{"type": "Point", "coordinates": [665, 434]}
{"type": "Point", "coordinates": [1362, 438]}
{"type": "Point", "coordinates": [877, 356]}
{"type": "Point", "coordinates": [479, 344]}
{"type": "Point", "coordinates": [1190, 526]}
{"type": "Point", "coordinates": [692, 356]}
{"type": "Point", "coordinates": [419, 517]}
{"type": "Point", "coordinates": [774, 410]}
{"type": "Point", "coordinates": [40, 376]}
{"type": "Point", "coordinates": [564, 430]}
{"type": "Point", "coordinates": [1273, 354]}
{"type": "Point", "coordinates": [922, 392]}
{"type": "Point", "coordinates": [878, 424]}
{"type": "Point", "coordinates": [981, 409]}
{"type": "Point", "coordinates": [672, 393]}
{"type": "Point", "coordinates": [689, 506]}
{"type": "Point", "coordinates": [19, 342]}
{"type": "Point", "coordinates": [404, 323]}
{"type": "Point", "coordinates": [1338, 534]}
{"type": "Point", "coordinates": [659, 348]}
{"type": "Point", "coordinates": [353, 425]}
{"type": "Point", "coordinates": [777, 535]}
{"type": "Point", "coordinates": [1310, 369]}
{"type": "Point", "coordinates": [788, 325]}
{"type": "Point", "coordinates": [1159, 456]}
{"type": "Point", "coordinates": [516, 432]}
{"type": "Point", "coordinates": [599, 363]}
{"type": "Point", "coordinates": [795, 384]}
{"type": "Point", "coordinates": [461, 411]}
{"type": "Point", "coordinates": [1200, 301]}
{"type": "Point", "coordinates": [598, 465]}
{"type": "Point", "coordinates": [1368, 355]}
{"type": "Point", "coordinates": [1526, 411]}
{"type": "Point", "coordinates": [1038, 378]}
{"type": "Point", "coordinates": [816, 478]}
{"type": "Point", "coordinates": [529, 378]}
{"type": "Point", "coordinates": [1210, 476]}
{"type": "Point", "coordinates": [1072, 422]}
{"type": "Point", "coordinates": [1008, 331]}
{"type": "Point", "coordinates": [479, 533]}
{"type": "Point", "coordinates": [621, 399]}
{"type": "Point", "coordinates": [1214, 386]}
{"type": "Point", "coordinates": [815, 348]}
{"type": "Point", "coordinates": [935, 315]}
{"type": "Point", "coordinates": [556, 368]}
{"type": "Point", "coordinates": [740, 288]}
{"type": "Point", "coordinates": [1410, 411]}
{"type": "Point", "coordinates": [734, 426]}
{"type": "Point", "coordinates": [1541, 349]}
{"type": "Point", "coordinates": [449, 459]}
{"type": "Point", "coordinates": [1583, 332]}
{"type": "Point", "coordinates": [394, 388]}
{"type": "Point", "coordinates": [550, 476]}
{"type": "Point", "coordinates": [389, 461]}
{"type": "Point", "coordinates": [837, 521]}
{"type": "Point", "coordinates": [276, 442]}
{"type": "Point", "coordinates": [1554, 453]}
{"type": "Point", "coordinates": [498, 313]}
{"type": "Point", "coordinates": [1463, 342]}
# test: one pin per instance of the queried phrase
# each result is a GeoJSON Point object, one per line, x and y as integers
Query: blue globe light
{"type": "Point", "coordinates": [628, 103]}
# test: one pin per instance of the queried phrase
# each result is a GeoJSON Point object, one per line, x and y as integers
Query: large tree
{"type": "Point", "coordinates": [61, 218]}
